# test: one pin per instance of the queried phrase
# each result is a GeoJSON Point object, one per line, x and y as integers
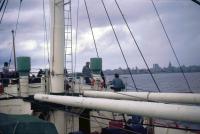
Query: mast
{"type": "Point", "coordinates": [57, 59]}
{"type": "Point", "coordinates": [14, 54]}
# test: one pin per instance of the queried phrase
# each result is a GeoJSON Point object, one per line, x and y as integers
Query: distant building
{"type": "Point", "coordinates": [156, 68]}
{"type": "Point", "coordinates": [136, 70]}
{"type": "Point", "coordinates": [170, 68]}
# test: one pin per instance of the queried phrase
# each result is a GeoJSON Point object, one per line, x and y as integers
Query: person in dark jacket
{"type": "Point", "coordinates": [117, 83]}
{"type": "Point", "coordinates": [5, 68]}
{"type": "Point", "coordinates": [87, 74]}
{"type": "Point", "coordinates": [104, 79]}
{"type": "Point", "coordinates": [5, 74]}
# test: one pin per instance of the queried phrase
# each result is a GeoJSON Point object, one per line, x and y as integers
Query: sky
{"type": "Point", "coordinates": [181, 19]}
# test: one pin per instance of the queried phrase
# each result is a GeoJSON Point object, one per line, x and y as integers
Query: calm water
{"type": "Point", "coordinates": [167, 82]}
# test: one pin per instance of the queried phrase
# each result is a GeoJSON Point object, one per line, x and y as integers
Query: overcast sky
{"type": "Point", "coordinates": [181, 19]}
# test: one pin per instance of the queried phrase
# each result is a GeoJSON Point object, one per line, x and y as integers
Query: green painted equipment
{"type": "Point", "coordinates": [25, 124]}
{"type": "Point", "coordinates": [23, 65]}
{"type": "Point", "coordinates": [96, 65]}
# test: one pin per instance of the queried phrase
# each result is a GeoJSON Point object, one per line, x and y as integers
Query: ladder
{"type": "Point", "coordinates": [68, 39]}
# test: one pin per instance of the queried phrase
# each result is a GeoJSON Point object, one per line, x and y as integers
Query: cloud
{"type": "Point", "coordinates": [181, 19]}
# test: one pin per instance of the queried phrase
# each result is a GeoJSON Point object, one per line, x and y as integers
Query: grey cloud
{"type": "Point", "coordinates": [181, 19]}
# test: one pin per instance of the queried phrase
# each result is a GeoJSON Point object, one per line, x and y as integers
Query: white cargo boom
{"type": "Point", "coordinates": [183, 98]}
{"type": "Point", "coordinates": [149, 109]}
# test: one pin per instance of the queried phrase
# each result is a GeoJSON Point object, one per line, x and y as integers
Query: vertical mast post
{"type": "Point", "coordinates": [57, 59]}
{"type": "Point", "coordinates": [14, 54]}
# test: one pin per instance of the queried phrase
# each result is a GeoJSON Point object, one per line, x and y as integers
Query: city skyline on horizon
{"type": "Point", "coordinates": [180, 18]}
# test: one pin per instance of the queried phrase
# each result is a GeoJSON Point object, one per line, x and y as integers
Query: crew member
{"type": "Point", "coordinates": [5, 74]}
{"type": "Point", "coordinates": [5, 68]}
{"type": "Point", "coordinates": [117, 83]}
{"type": "Point", "coordinates": [87, 73]}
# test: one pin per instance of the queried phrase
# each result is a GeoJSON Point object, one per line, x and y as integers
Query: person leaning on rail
{"type": "Point", "coordinates": [117, 83]}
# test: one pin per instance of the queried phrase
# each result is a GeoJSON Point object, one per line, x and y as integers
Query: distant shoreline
{"type": "Point", "coordinates": [152, 73]}
{"type": "Point", "coordinates": [155, 70]}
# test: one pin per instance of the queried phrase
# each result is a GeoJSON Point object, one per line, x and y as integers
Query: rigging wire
{"type": "Point", "coordinates": [2, 5]}
{"type": "Point", "coordinates": [4, 11]}
{"type": "Point", "coordinates": [80, 116]}
{"type": "Point", "coordinates": [102, 123]}
{"type": "Point", "coordinates": [196, 1]}
{"type": "Point", "coordinates": [154, 125]}
{"type": "Point", "coordinates": [71, 42]}
{"type": "Point", "coordinates": [76, 43]}
{"type": "Point", "coordinates": [91, 28]}
{"type": "Point", "coordinates": [16, 26]}
{"type": "Point", "coordinates": [53, 39]}
{"type": "Point", "coordinates": [102, 73]}
{"type": "Point", "coordinates": [44, 36]}
{"type": "Point", "coordinates": [137, 45]}
{"type": "Point", "coordinates": [32, 101]}
{"type": "Point", "coordinates": [119, 45]}
{"type": "Point", "coordinates": [45, 32]}
{"type": "Point", "coordinates": [106, 118]}
{"type": "Point", "coordinates": [170, 43]}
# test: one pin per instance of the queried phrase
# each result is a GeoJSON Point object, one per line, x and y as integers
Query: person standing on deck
{"type": "Point", "coordinates": [117, 83]}
{"type": "Point", "coordinates": [87, 73]}
{"type": "Point", "coordinates": [5, 74]}
{"type": "Point", "coordinates": [5, 68]}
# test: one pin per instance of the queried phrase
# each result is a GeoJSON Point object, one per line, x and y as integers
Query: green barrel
{"type": "Point", "coordinates": [23, 65]}
{"type": "Point", "coordinates": [96, 65]}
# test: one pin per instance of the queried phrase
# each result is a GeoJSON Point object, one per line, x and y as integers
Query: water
{"type": "Point", "coordinates": [167, 82]}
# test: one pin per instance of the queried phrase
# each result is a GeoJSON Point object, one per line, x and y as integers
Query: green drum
{"type": "Point", "coordinates": [23, 65]}
{"type": "Point", "coordinates": [96, 65]}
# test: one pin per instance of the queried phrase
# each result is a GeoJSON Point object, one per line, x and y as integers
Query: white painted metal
{"type": "Point", "coordinates": [58, 119]}
{"type": "Point", "coordinates": [57, 46]}
{"type": "Point", "coordinates": [24, 86]}
{"type": "Point", "coordinates": [149, 109]}
{"type": "Point", "coordinates": [15, 106]}
{"type": "Point", "coordinates": [189, 98]}
{"type": "Point", "coordinates": [57, 58]}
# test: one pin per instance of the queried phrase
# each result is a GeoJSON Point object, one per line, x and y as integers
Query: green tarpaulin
{"type": "Point", "coordinates": [25, 124]}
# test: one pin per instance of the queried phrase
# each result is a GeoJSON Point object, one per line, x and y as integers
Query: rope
{"type": "Point", "coordinates": [170, 43]}
{"type": "Point", "coordinates": [20, 5]}
{"type": "Point", "coordinates": [75, 114]}
{"type": "Point", "coordinates": [6, 4]}
{"type": "Point", "coordinates": [44, 23]}
{"type": "Point", "coordinates": [106, 118]}
{"type": "Point", "coordinates": [16, 26]}
{"type": "Point", "coordinates": [4, 11]}
{"type": "Point", "coordinates": [15, 128]}
{"type": "Point", "coordinates": [119, 45]}
{"type": "Point", "coordinates": [2, 5]}
{"type": "Point", "coordinates": [70, 21]}
{"type": "Point", "coordinates": [77, 27]}
{"type": "Point", "coordinates": [91, 28]}
{"type": "Point", "coordinates": [82, 116]}
{"type": "Point", "coordinates": [127, 25]}
{"type": "Point", "coordinates": [196, 1]}
{"type": "Point", "coordinates": [53, 38]}
{"type": "Point", "coordinates": [45, 31]}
